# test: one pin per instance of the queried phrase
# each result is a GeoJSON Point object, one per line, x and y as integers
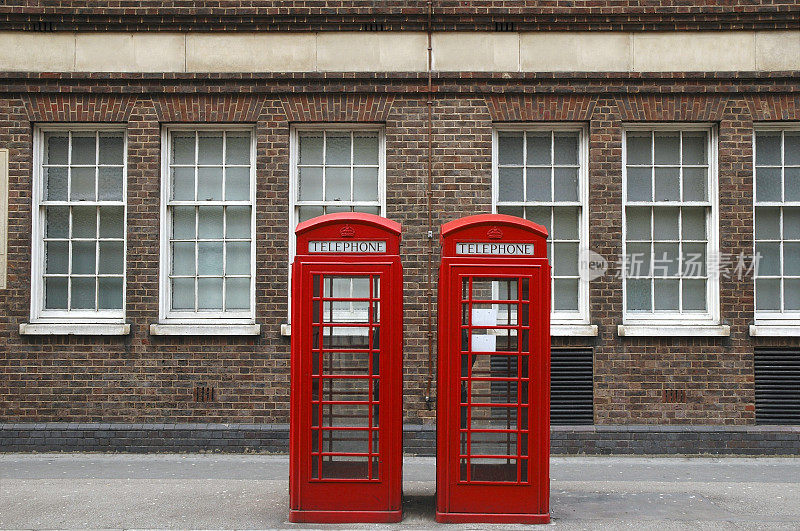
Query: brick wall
{"type": "Point", "coordinates": [141, 378]}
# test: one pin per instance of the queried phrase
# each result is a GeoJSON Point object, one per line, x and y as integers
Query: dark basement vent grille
{"type": "Point", "coordinates": [777, 375]}
{"type": "Point", "coordinates": [571, 387]}
{"type": "Point", "coordinates": [204, 394]}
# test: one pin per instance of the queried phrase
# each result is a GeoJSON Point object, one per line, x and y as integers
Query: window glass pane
{"type": "Point", "coordinates": [540, 215]}
{"type": "Point", "coordinates": [768, 294]}
{"type": "Point", "coordinates": [55, 184]}
{"type": "Point", "coordinates": [337, 149]}
{"type": "Point", "coordinates": [55, 293]}
{"type": "Point", "coordinates": [665, 223]}
{"type": "Point", "coordinates": [365, 148]}
{"type": "Point", "coordinates": [237, 258]}
{"type": "Point", "coordinates": [791, 183]}
{"type": "Point", "coordinates": [791, 223]}
{"type": "Point", "coordinates": [791, 259]}
{"type": "Point", "coordinates": [308, 212]}
{"type": "Point", "coordinates": [791, 294]}
{"type": "Point", "coordinates": [667, 184]}
{"type": "Point", "coordinates": [310, 185]}
{"type": "Point", "coordinates": [209, 221]}
{"type": "Point", "coordinates": [510, 148]}
{"type": "Point", "coordinates": [112, 258]}
{"type": "Point", "coordinates": [82, 184]}
{"type": "Point", "coordinates": [693, 221]}
{"type": "Point", "coordinates": [112, 148]}
{"type": "Point", "coordinates": [517, 211]}
{"type": "Point", "coordinates": [183, 146]}
{"type": "Point", "coordinates": [84, 148]}
{"type": "Point", "coordinates": [209, 293]}
{"type": "Point", "coordinates": [565, 223]}
{"type": "Point", "coordinates": [667, 147]}
{"type": "Point", "coordinates": [337, 184]}
{"type": "Point", "coordinates": [666, 294]}
{"type": "Point", "coordinates": [365, 184]}
{"type": "Point", "coordinates": [768, 184]}
{"type": "Point", "coordinates": [209, 148]}
{"type": "Point", "coordinates": [637, 223]}
{"type": "Point", "coordinates": [209, 184]}
{"type": "Point", "coordinates": [84, 222]}
{"type": "Point", "coordinates": [565, 259]}
{"type": "Point", "coordinates": [694, 148]}
{"type": "Point", "coordinates": [237, 149]}
{"type": "Point", "coordinates": [666, 259]}
{"type": "Point", "coordinates": [83, 257]}
{"type": "Point", "coordinates": [57, 222]}
{"type": "Point", "coordinates": [694, 294]}
{"type": "Point", "coordinates": [183, 222]}
{"type": "Point", "coordinates": [110, 181]}
{"type": "Point", "coordinates": [694, 260]}
{"type": "Point", "coordinates": [237, 294]}
{"type": "Point", "coordinates": [110, 294]}
{"type": "Point", "coordinates": [183, 184]}
{"type": "Point", "coordinates": [694, 184]}
{"type": "Point", "coordinates": [566, 184]}
{"type": "Point", "coordinates": [56, 148]}
{"type": "Point", "coordinates": [237, 222]}
{"type": "Point", "coordinates": [183, 258]}
{"type": "Point", "coordinates": [638, 294]}
{"type": "Point", "coordinates": [638, 259]}
{"type": "Point", "coordinates": [237, 184]}
{"type": "Point", "coordinates": [510, 184]}
{"type": "Point", "coordinates": [538, 184]}
{"type": "Point", "coordinates": [565, 294]}
{"type": "Point", "coordinates": [638, 148]}
{"type": "Point", "coordinates": [539, 148]}
{"type": "Point", "coordinates": [310, 148]}
{"type": "Point", "coordinates": [57, 257]}
{"type": "Point", "coordinates": [640, 184]}
{"type": "Point", "coordinates": [768, 148]}
{"type": "Point", "coordinates": [183, 294]}
{"type": "Point", "coordinates": [791, 148]}
{"type": "Point", "coordinates": [209, 258]}
{"type": "Point", "coordinates": [565, 149]}
{"type": "Point", "coordinates": [768, 223]}
{"type": "Point", "coordinates": [768, 258]}
{"type": "Point", "coordinates": [83, 293]}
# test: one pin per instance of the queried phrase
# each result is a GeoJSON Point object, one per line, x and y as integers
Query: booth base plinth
{"type": "Point", "coordinates": [345, 517]}
{"type": "Point", "coordinates": [492, 518]}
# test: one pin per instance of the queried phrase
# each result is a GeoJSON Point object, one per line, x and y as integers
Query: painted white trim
{"type": "Point", "coordinates": [162, 329]}
{"type": "Point", "coordinates": [37, 313]}
{"type": "Point", "coordinates": [779, 330]}
{"type": "Point", "coordinates": [642, 330]}
{"type": "Point", "coordinates": [581, 317]}
{"type": "Point", "coordinates": [691, 319]}
{"type": "Point", "coordinates": [4, 181]}
{"type": "Point", "coordinates": [74, 329]}
{"type": "Point", "coordinates": [165, 314]}
{"type": "Point", "coordinates": [294, 144]}
{"type": "Point", "coordinates": [556, 330]}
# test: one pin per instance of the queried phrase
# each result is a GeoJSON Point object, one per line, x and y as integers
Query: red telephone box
{"type": "Point", "coordinates": [493, 410]}
{"type": "Point", "coordinates": [347, 375]}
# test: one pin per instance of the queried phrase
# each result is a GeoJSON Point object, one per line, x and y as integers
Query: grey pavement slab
{"type": "Point", "coordinates": [180, 491]}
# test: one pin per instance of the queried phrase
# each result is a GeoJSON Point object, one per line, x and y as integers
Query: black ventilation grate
{"type": "Point", "coordinates": [571, 387]}
{"type": "Point", "coordinates": [777, 375]}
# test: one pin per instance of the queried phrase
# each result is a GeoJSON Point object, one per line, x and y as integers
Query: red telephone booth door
{"type": "Point", "coordinates": [347, 439]}
{"type": "Point", "coordinates": [496, 440]}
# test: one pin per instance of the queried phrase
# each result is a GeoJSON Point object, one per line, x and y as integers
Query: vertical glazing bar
{"type": "Point", "coordinates": [469, 381]}
{"type": "Point", "coordinates": [371, 380]}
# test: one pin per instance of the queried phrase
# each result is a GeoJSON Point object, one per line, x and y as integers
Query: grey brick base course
{"type": "Point", "coordinates": [418, 440]}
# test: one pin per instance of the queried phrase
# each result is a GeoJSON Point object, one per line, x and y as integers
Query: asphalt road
{"type": "Point", "coordinates": [49, 491]}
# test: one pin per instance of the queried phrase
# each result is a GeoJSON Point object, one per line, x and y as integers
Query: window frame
{"type": "Point", "coordinates": [166, 314]}
{"type": "Point", "coordinates": [294, 154]}
{"type": "Point", "coordinates": [38, 312]}
{"type": "Point", "coordinates": [687, 319]}
{"type": "Point", "coordinates": [582, 316]}
{"type": "Point", "coordinates": [780, 317]}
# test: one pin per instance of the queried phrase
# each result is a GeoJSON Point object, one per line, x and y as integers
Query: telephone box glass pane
{"type": "Point", "coordinates": [495, 384]}
{"type": "Point", "coordinates": [345, 390]}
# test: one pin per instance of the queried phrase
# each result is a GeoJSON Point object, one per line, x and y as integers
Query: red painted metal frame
{"type": "Point", "coordinates": [338, 500]}
{"type": "Point", "coordinates": [487, 501]}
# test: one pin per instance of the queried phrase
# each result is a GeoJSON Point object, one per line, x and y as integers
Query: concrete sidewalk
{"type": "Point", "coordinates": [47, 491]}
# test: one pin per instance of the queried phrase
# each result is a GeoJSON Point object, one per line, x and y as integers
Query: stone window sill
{"type": "Point", "coordinates": [161, 329]}
{"type": "Point", "coordinates": [74, 329]}
{"type": "Point", "coordinates": [654, 330]}
{"type": "Point", "coordinates": [775, 330]}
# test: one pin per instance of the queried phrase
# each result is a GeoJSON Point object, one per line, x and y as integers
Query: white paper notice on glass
{"type": "Point", "coordinates": [484, 343]}
{"type": "Point", "coordinates": [484, 317]}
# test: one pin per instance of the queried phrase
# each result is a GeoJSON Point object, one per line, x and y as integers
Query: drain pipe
{"type": "Point", "coordinates": [429, 192]}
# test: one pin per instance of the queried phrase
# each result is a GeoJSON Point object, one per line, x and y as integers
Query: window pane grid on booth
{"type": "Point", "coordinates": [345, 401]}
{"type": "Point", "coordinates": [82, 212]}
{"type": "Point", "coordinates": [539, 180]}
{"type": "Point", "coordinates": [494, 397]}
{"type": "Point", "coordinates": [777, 222]}
{"type": "Point", "coordinates": [668, 219]}
{"type": "Point", "coordinates": [209, 212]}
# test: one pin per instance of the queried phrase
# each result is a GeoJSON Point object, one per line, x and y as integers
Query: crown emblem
{"type": "Point", "coordinates": [347, 232]}
{"type": "Point", "coordinates": [494, 233]}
